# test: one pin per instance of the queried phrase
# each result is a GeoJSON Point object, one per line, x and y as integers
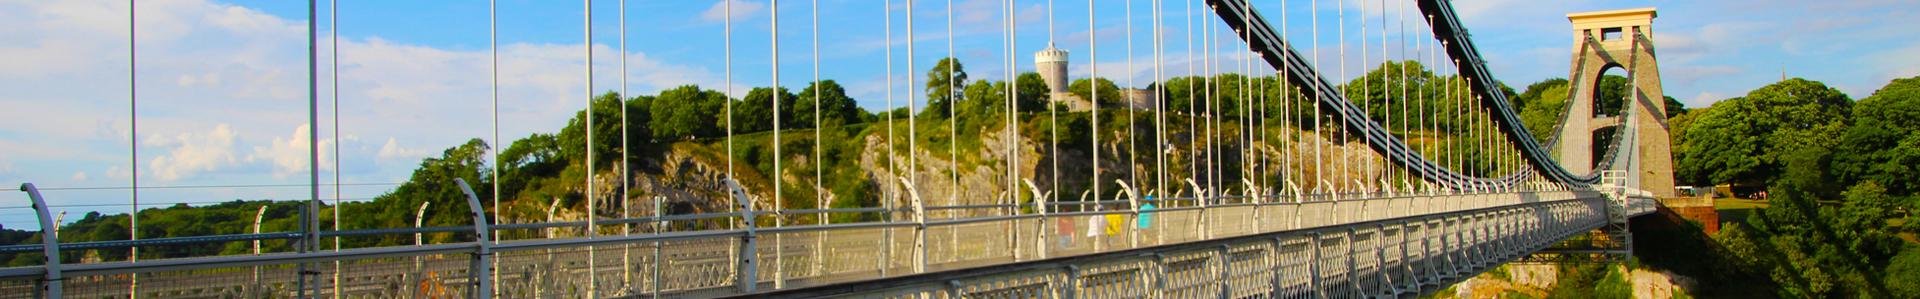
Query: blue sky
{"type": "Point", "coordinates": [223, 90]}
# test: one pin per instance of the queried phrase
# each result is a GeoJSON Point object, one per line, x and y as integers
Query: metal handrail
{"type": "Point", "coordinates": [484, 250]}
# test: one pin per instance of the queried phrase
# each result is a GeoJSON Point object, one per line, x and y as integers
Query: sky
{"type": "Point", "coordinates": [223, 101]}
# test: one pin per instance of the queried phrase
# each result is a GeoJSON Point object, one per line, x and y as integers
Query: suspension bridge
{"type": "Point", "coordinates": [1271, 202]}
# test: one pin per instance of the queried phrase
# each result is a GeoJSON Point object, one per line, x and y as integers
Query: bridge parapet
{"type": "Point", "coordinates": [709, 263]}
{"type": "Point", "coordinates": [1390, 256]}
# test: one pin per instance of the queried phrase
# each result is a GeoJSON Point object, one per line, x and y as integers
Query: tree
{"type": "Point", "coordinates": [1547, 103]}
{"type": "Point", "coordinates": [1674, 107]}
{"type": "Point", "coordinates": [1861, 222]}
{"type": "Point", "coordinates": [1746, 140]}
{"type": "Point", "coordinates": [536, 156]}
{"type": "Point", "coordinates": [838, 107]}
{"type": "Point", "coordinates": [1610, 94]}
{"type": "Point", "coordinates": [1677, 128]}
{"type": "Point", "coordinates": [1032, 89]}
{"type": "Point", "coordinates": [1903, 274]}
{"type": "Point", "coordinates": [686, 112]}
{"type": "Point", "coordinates": [947, 79]}
{"type": "Point", "coordinates": [606, 131]}
{"type": "Point", "coordinates": [1535, 92]}
{"type": "Point", "coordinates": [755, 113]}
{"type": "Point", "coordinates": [432, 181]}
{"type": "Point", "coordinates": [1109, 95]}
{"type": "Point", "coordinates": [984, 103]}
{"type": "Point", "coordinates": [1883, 143]}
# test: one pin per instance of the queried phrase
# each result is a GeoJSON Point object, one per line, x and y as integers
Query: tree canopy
{"type": "Point", "coordinates": [686, 112]}
{"type": "Point", "coordinates": [1883, 142]}
{"type": "Point", "coordinates": [1746, 140]}
{"type": "Point", "coordinates": [947, 79]}
{"type": "Point", "coordinates": [837, 108]}
{"type": "Point", "coordinates": [1098, 89]}
{"type": "Point", "coordinates": [755, 113]}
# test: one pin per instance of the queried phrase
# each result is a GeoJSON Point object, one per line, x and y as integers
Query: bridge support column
{"type": "Point", "coordinates": [1605, 40]}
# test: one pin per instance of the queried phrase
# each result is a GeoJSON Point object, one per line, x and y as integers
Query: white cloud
{"type": "Point", "coordinates": [1686, 76]}
{"type": "Point", "coordinates": [115, 172]}
{"type": "Point", "coordinates": [79, 176]}
{"type": "Point", "coordinates": [393, 151]}
{"type": "Point", "coordinates": [222, 91]}
{"type": "Point", "coordinates": [1702, 100]}
{"type": "Point", "coordinates": [291, 155]}
{"type": "Point", "coordinates": [741, 10]}
{"type": "Point", "coordinates": [193, 153]}
{"type": "Point", "coordinates": [1894, 63]}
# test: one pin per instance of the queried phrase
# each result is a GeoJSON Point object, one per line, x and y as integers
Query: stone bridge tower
{"type": "Point", "coordinates": [1618, 39]}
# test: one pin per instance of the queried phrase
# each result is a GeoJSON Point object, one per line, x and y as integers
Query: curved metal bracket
{"type": "Point", "coordinates": [1298, 197]}
{"type": "Point", "coordinates": [919, 207]}
{"type": "Point", "coordinates": [49, 240]}
{"type": "Point", "coordinates": [920, 229]}
{"type": "Point", "coordinates": [1039, 198]}
{"type": "Point", "coordinates": [1133, 198]}
{"type": "Point", "coordinates": [1252, 189]}
{"type": "Point", "coordinates": [749, 260]}
{"type": "Point", "coordinates": [1200, 194]}
{"type": "Point", "coordinates": [482, 265]}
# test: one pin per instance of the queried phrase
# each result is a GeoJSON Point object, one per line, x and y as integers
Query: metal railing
{"type": "Point", "coordinates": [1389, 256]}
{"type": "Point", "coordinates": [743, 260]}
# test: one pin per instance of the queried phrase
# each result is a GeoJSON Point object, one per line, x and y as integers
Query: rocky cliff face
{"type": "Point", "coordinates": [1538, 281]}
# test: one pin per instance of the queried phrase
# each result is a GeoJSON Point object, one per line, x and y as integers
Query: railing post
{"type": "Point", "coordinates": [1225, 275]}
{"type": "Point", "coordinates": [1072, 288]}
{"type": "Point", "coordinates": [49, 241]}
{"type": "Point", "coordinates": [1158, 275]}
{"type": "Point", "coordinates": [1449, 238]}
{"type": "Point", "coordinates": [1133, 200]}
{"type": "Point", "coordinates": [1273, 256]}
{"type": "Point", "coordinates": [482, 263]}
{"type": "Point", "coordinates": [748, 278]}
{"type": "Point", "coordinates": [1409, 282]}
{"type": "Point", "coordinates": [1478, 240]}
{"type": "Point", "coordinates": [658, 226]}
{"type": "Point", "coordinates": [1380, 259]}
{"type": "Point", "coordinates": [1354, 283]}
{"type": "Point", "coordinates": [1313, 265]}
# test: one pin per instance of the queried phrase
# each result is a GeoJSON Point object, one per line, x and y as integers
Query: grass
{"type": "Point", "coordinates": [1737, 210]}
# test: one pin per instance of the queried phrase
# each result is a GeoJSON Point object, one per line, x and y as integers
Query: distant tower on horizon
{"type": "Point", "coordinates": [1052, 65]}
